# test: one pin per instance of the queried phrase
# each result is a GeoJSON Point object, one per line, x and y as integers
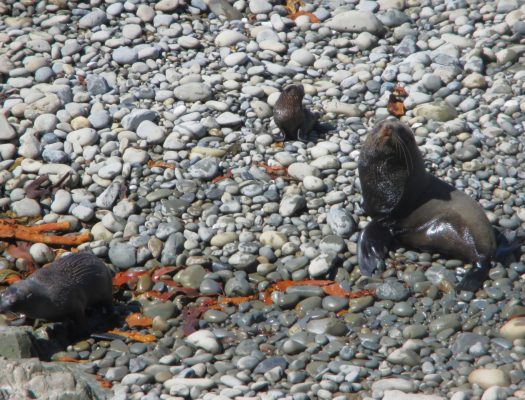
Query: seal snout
{"type": "Point", "coordinates": [385, 133]}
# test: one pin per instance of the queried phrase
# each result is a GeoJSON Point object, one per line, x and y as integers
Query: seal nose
{"type": "Point", "coordinates": [385, 134]}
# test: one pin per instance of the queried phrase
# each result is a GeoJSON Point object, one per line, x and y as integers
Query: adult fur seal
{"type": "Point", "coordinates": [61, 290]}
{"type": "Point", "coordinates": [411, 207]}
{"type": "Point", "coordinates": [294, 120]}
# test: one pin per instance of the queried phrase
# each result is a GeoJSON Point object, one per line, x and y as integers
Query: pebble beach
{"type": "Point", "coordinates": [160, 114]}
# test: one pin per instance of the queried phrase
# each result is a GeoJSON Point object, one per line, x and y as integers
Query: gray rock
{"type": "Point", "coordinates": [109, 196]}
{"type": "Point", "coordinates": [122, 255]}
{"type": "Point", "coordinates": [17, 342]}
{"type": "Point", "coordinates": [125, 55]}
{"type": "Point", "coordinates": [193, 91]}
{"type": "Point", "coordinates": [92, 19]}
{"type": "Point", "coordinates": [206, 169]}
{"type": "Point", "coordinates": [48, 381]}
{"type": "Point", "coordinates": [26, 208]}
{"type": "Point", "coordinates": [356, 21]}
{"type": "Point", "coordinates": [96, 85]}
{"type": "Point", "coordinates": [223, 8]}
{"type": "Point", "coordinates": [341, 222]}
{"type": "Point", "coordinates": [291, 205]}
{"type": "Point", "coordinates": [6, 130]}
{"type": "Point", "coordinates": [135, 117]}
{"type": "Point", "coordinates": [172, 248]}
{"type": "Point", "coordinates": [392, 290]}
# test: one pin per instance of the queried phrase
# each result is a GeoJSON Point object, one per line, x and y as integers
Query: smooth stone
{"type": "Point", "coordinates": [122, 255]}
{"type": "Point", "coordinates": [400, 384]}
{"type": "Point", "coordinates": [6, 130]}
{"type": "Point", "coordinates": [151, 132]}
{"type": "Point", "coordinates": [206, 169]}
{"type": "Point", "coordinates": [125, 55]}
{"type": "Point", "coordinates": [328, 326]}
{"type": "Point", "coordinates": [41, 253]}
{"type": "Point", "coordinates": [132, 120]}
{"type": "Point", "coordinates": [273, 239]}
{"type": "Point", "coordinates": [26, 208]}
{"type": "Point", "coordinates": [355, 21]}
{"type": "Point", "coordinates": [228, 38]}
{"type": "Point", "coordinates": [206, 340]}
{"type": "Point", "coordinates": [321, 265]}
{"type": "Point", "coordinates": [222, 239]}
{"type": "Point", "coordinates": [346, 109]}
{"type": "Point", "coordinates": [92, 19]}
{"type": "Point", "coordinates": [399, 395]}
{"type": "Point", "coordinates": [301, 170]}
{"type": "Point", "coordinates": [291, 205]}
{"type": "Point", "coordinates": [193, 91]}
{"type": "Point", "coordinates": [448, 321]}
{"type": "Point", "coordinates": [392, 290]}
{"type": "Point", "coordinates": [513, 329]}
{"type": "Point", "coordinates": [437, 111]}
{"type": "Point", "coordinates": [487, 377]}
{"type": "Point", "coordinates": [341, 222]}
{"type": "Point", "coordinates": [404, 357]}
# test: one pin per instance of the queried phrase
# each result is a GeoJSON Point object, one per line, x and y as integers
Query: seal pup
{"type": "Point", "coordinates": [293, 119]}
{"type": "Point", "coordinates": [63, 290]}
{"type": "Point", "coordinates": [413, 208]}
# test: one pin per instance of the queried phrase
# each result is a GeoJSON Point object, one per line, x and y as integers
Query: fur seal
{"type": "Point", "coordinates": [411, 207]}
{"type": "Point", "coordinates": [61, 290]}
{"type": "Point", "coordinates": [294, 120]}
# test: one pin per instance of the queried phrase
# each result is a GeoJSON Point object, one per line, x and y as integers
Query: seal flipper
{"type": "Point", "coordinates": [373, 246]}
{"type": "Point", "coordinates": [309, 121]}
{"type": "Point", "coordinates": [473, 279]}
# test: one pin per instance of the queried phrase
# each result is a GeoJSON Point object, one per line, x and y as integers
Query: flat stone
{"type": "Point", "coordinates": [273, 239]}
{"type": "Point", "coordinates": [93, 18]}
{"type": "Point", "coordinates": [347, 109]}
{"type": "Point", "coordinates": [193, 91]}
{"type": "Point", "coordinates": [6, 130]}
{"type": "Point", "coordinates": [437, 111]}
{"type": "Point", "coordinates": [206, 340]}
{"type": "Point", "coordinates": [356, 21]}
{"type": "Point", "coordinates": [399, 384]}
{"type": "Point", "coordinates": [26, 208]}
{"type": "Point", "coordinates": [16, 342]}
{"type": "Point", "coordinates": [487, 377]}
{"type": "Point", "coordinates": [513, 329]}
{"type": "Point", "coordinates": [132, 120]}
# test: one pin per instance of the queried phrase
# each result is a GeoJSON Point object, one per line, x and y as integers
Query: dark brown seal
{"type": "Point", "coordinates": [293, 119]}
{"type": "Point", "coordinates": [61, 290]}
{"type": "Point", "coordinates": [411, 207]}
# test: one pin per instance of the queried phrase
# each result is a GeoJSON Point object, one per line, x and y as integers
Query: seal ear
{"type": "Point", "coordinates": [372, 247]}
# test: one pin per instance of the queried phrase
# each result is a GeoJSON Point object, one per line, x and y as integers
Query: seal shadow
{"type": "Point", "coordinates": [57, 336]}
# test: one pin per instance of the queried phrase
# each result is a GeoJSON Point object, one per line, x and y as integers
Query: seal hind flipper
{"type": "Point", "coordinates": [474, 278]}
{"type": "Point", "coordinates": [309, 122]}
{"type": "Point", "coordinates": [373, 246]}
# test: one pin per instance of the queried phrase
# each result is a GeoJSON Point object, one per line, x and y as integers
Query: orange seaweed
{"type": "Point", "coordinates": [137, 337]}
{"type": "Point", "coordinates": [155, 277]}
{"type": "Point", "coordinates": [140, 320]}
{"type": "Point", "coordinates": [121, 278]}
{"type": "Point", "coordinates": [313, 18]}
{"type": "Point", "coordinates": [161, 164]}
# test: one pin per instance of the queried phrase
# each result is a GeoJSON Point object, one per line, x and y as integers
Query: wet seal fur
{"type": "Point", "coordinates": [293, 119]}
{"type": "Point", "coordinates": [61, 291]}
{"type": "Point", "coordinates": [413, 208]}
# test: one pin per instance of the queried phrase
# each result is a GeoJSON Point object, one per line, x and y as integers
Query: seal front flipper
{"type": "Point", "coordinates": [373, 246]}
{"type": "Point", "coordinates": [473, 279]}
